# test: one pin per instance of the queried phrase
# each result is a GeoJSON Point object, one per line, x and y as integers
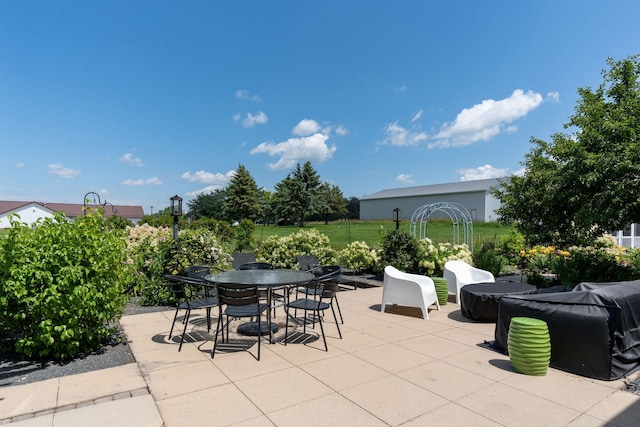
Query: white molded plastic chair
{"type": "Point", "coordinates": [459, 273]}
{"type": "Point", "coordinates": [412, 290]}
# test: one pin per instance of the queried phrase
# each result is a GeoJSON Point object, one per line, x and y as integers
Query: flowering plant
{"type": "Point", "coordinates": [359, 257]}
{"type": "Point", "coordinates": [539, 264]}
{"type": "Point", "coordinates": [152, 253]}
{"type": "Point", "coordinates": [433, 256]}
{"type": "Point", "coordinates": [282, 252]}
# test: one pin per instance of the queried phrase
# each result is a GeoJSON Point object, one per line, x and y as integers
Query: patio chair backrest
{"type": "Point", "coordinates": [237, 295]}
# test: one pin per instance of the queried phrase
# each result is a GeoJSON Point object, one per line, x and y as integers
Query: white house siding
{"type": "Point", "coordinates": [29, 214]}
{"type": "Point", "coordinates": [629, 237]}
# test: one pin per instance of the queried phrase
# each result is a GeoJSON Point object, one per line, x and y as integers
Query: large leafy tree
{"type": "Point", "coordinates": [353, 207]}
{"type": "Point", "coordinates": [331, 203]}
{"type": "Point", "coordinates": [297, 194]}
{"type": "Point", "coordinates": [243, 197]}
{"type": "Point", "coordinates": [208, 205]}
{"type": "Point", "coordinates": [587, 182]}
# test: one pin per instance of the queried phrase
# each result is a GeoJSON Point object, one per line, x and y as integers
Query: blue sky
{"type": "Point", "coordinates": [141, 100]}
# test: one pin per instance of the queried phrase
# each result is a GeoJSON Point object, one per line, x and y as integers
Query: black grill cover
{"type": "Point", "coordinates": [594, 329]}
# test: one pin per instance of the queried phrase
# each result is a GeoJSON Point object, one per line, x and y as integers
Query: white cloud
{"type": "Point", "coordinates": [553, 97]}
{"type": "Point", "coordinates": [251, 120]}
{"type": "Point", "coordinates": [520, 172]}
{"type": "Point", "coordinates": [405, 178]}
{"type": "Point", "coordinates": [400, 89]}
{"type": "Point", "coordinates": [342, 131]}
{"type": "Point", "coordinates": [306, 127]}
{"type": "Point", "coordinates": [130, 160]}
{"type": "Point", "coordinates": [62, 172]}
{"type": "Point", "coordinates": [20, 164]}
{"type": "Point", "coordinates": [417, 116]}
{"type": "Point", "coordinates": [486, 120]}
{"type": "Point", "coordinates": [311, 148]}
{"type": "Point", "coordinates": [139, 182]}
{"type": "Point", "coordinates": [205, 190]}
{"type": "Point", "coordinates": [244, 94]}
{"type": "Point", "coordinates": [204, 177]}
{"type": "Point", "coordinates": [399, 136]}
{"type": "Point", "coordinates": [482, 172]}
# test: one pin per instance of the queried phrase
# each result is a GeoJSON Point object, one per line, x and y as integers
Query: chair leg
{"type": "Point", "coordinates": [215, 339]}
{"type": "Point", "coordinates": [286, 324]}
{"type": "Point", "coordinates": [339, 311]}
{"type": "Point", "coordinates": [175, 316]}
{"type": "Point", "coordinates": [304, 322]}
{"type": "Point", "coordinates": [324, 339]}
{"type": "Point", "coordinates": [259, 332]}
{"type": "Point", "coordinates": [184, 331]}
{"type": "Point", "coordinates": [336, 320]}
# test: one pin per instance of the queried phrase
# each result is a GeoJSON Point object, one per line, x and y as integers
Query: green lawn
{"type": "Point", "coordinates": [341, 233]}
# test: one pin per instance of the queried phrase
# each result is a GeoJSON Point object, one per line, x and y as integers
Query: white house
{"type": "Point", "coordinates": [473, 195]}
{"type": "Point", "coordinates": [30, 212]}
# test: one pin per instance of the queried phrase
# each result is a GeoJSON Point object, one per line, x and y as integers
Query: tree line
{"type": "Point", "coordinates": [301, 196]}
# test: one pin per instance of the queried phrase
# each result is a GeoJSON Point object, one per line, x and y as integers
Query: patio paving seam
{"type": "Point", "coordinates": [116, 396]}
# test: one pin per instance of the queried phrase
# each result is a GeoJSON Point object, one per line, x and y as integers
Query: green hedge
{"type": "Point", "coordinates": [61, 285]}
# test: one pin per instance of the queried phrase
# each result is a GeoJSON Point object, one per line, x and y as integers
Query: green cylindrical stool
{"type": "Point", "coordinates": [441, 289]}
{"type": "Point", "coordinates": [529, 345]}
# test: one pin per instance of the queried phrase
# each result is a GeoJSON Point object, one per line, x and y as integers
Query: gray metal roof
{"type": "Point", "coordinates": [426, 190]}
{"type": "Point", "coordinates": [73, 210]}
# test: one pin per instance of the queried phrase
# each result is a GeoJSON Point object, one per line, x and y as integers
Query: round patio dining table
{"type": "Point", "coordinates": [266, 280]}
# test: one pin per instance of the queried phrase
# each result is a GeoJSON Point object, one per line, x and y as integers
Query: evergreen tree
{"type": "Point", "coordinates": [243, 197]}
{"type": "Point", "coordinates": [297, 194]}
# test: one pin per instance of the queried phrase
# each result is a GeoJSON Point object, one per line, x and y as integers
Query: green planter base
{"type": "Point", "coordinates": [441, 289]}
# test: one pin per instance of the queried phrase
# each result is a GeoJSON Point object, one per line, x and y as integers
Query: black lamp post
{"type": "Point", "coordinates": [175, 208]}
{"type": "Point", "coordinates": [397, 215]}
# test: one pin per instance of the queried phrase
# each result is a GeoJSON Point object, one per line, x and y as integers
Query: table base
{"type": "Point", "coordinates": [251, 328]}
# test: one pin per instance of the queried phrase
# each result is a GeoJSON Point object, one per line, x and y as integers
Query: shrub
{"type": "Point", "coordinates": [594, 264]}
{"type": "Point", "coordinates": [282, 252]}
{"type": "Point", "coordinates": [153, 253]}
{"type": "Point", "coordinates": [539, 264]}
{"type": "Point", "coordinates": [432, 257]}
{"type": "Point", "coordinates": [244, 236]}
{"type": "Point", "coordinates": [221, 229]}
{"type": "Point", "coordinates": [489, 257]}
{"type": "Point", "coordinates": [359, 257]}
{"type": "Point", "coordinates": [399, 249]}
{"type": "Point", "coordinates": [511, 247]}
{"type": "Point", "coordinates": [62, 285]}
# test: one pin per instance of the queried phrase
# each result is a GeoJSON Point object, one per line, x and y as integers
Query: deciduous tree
{"type": "Point", "coordinates": [586, 182]}
{"type": "Point", "coordinates": [209, 205]}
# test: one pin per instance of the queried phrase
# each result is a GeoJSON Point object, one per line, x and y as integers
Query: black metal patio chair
{"type": "Point", "coordinates": [188, 295]}
{"type": "Point", "coordinates": [240, 301]}
{"type": "Point", "coordinates": [323, 295]}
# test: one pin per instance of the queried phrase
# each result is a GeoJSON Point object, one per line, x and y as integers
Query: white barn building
{"type": "Point", "coordinates": [473, 195]}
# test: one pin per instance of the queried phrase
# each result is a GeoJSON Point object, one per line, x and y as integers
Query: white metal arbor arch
{"type": "Point", "coordinates": [458, 214]}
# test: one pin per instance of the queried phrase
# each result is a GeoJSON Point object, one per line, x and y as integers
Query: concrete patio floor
{"type": "Point", "coordinates": [389, 369]}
